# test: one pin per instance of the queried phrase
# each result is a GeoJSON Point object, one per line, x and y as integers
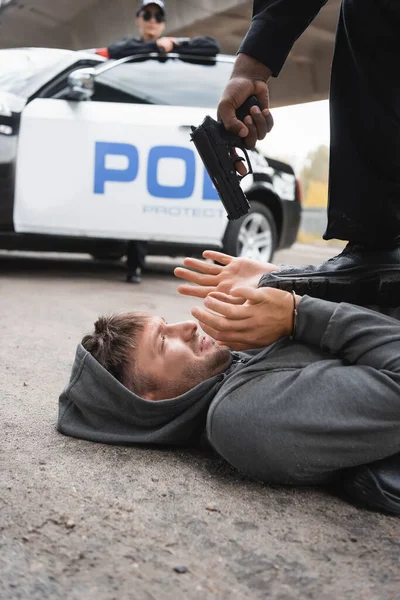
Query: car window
{"type": "Point", "coordinates": [171, 81]}
{"type": "Point", "coordinates": [20, 66]}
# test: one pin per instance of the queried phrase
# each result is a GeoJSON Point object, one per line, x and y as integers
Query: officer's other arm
{"type": "Point", "coordinates": [128, 47]}
{"type": "Point", "coordinates": [198, 46]}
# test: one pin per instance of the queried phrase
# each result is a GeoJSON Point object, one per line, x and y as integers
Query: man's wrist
{"type": "Point", "coordinates": [290, 316]}
{"type": "Point", "coordinates": [296, 299]}
{"type": "Point", "coordinates": [248, 67]}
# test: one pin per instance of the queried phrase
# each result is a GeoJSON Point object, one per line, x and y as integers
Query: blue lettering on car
{"type": "Point", "coordinates": [169, 191]}
{"type": "Point", "coordinates": [103, 174]}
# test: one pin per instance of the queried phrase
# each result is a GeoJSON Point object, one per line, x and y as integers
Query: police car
{"type": "Point", "coordinates": [94, 153]}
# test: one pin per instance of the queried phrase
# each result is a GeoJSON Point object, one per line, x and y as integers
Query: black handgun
{"type": "Point", "coordinates": [214, 144]}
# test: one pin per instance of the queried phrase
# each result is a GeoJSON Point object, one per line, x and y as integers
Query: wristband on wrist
{"type": "Point", "coordinates": [295, 315]}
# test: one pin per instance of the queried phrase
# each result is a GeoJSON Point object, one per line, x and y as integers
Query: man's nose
{"type": "Point", "coordinates": [185, 329]}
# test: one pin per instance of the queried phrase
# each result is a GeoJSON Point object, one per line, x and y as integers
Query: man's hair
{"type": "Point", "coordinates": [112, 344]}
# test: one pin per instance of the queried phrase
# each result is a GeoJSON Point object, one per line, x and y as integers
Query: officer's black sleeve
{"type": "Point", "coordinates": [198, 46]}
{"type": "Point", "coordinates": [130, 47]}
{"type": "Point", "coordinates": [275, 27]}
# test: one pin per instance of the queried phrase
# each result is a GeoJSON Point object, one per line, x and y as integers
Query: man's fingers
{"type": "Point", "coordinates": [224, 259]}
{"type": "Point", "coordinates": [195, 277]}
{"type": "Point", "coordinates": [202, 266]}
{"type": "Point", "coordinates": [253, 295]}
{"type": "Point", "coordinates": [222, 297]}
{"type": "Point", "coordinates": [217, 321]}
{"type": "Point", "coordinates": [224, 337]}
{"type": "Point", "coordinates": [197, 291]}
{"type": "Point", "coordinates": [233, 312]}
{"type": "Point", "coordinates": [220, 337]}
{"type": "Point", "coordinates": [226, 297]}
{"type": "Point", "coordinates": [227, 338]}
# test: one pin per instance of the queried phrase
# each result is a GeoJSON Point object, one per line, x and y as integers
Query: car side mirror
{"type": "Point", "coordinates": [81, 84]}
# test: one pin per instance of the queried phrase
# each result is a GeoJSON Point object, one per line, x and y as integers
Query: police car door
{"type": "Point", "coordinates": [121, 165]}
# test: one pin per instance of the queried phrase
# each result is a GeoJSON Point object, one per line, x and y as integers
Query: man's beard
{"type": "Point", "coordinates": [192, 375]}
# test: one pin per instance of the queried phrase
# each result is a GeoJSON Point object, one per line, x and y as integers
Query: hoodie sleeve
{"type": "Point", "coordinates": [357, 335]}
{"type": "Point", "coordinates": [275, 27]}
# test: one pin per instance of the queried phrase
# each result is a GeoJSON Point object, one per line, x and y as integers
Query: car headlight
{"type": "Point", "coordinates": [5, 130]}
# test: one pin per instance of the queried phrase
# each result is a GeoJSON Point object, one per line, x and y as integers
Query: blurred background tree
{"type": "Point", "coordinates": [314, 177]}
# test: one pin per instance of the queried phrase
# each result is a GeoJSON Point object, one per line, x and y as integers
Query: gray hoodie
{"type": "Point", "coordinates": [293, 412]}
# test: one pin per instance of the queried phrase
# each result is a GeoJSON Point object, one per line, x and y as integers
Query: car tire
{"type": "Point", "coordinates": [253, 236]}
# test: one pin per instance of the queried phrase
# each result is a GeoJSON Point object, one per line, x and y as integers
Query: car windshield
{"type": "Point", "coordinates": [20, 66]}
{"type": "Point", "coordinates": [171, 81]}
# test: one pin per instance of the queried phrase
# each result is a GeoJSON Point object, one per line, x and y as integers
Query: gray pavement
{"type": "Point", "coordinates": [88, 521]}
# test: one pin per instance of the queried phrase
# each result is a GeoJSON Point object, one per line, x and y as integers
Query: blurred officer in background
{"type": "Point", "coordinates": [151, 22]}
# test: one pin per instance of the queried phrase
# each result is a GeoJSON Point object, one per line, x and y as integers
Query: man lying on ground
{"type": "Point", "coordinates": [313, 389]}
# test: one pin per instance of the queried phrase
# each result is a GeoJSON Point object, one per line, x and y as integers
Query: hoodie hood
{"type": "Point", "coordinates": [97, 407]}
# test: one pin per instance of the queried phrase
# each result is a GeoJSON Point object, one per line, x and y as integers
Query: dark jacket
{"type": "Point", "coordinates": [275, 27]}
{"type": "Point", "coordinates": [197, 46]}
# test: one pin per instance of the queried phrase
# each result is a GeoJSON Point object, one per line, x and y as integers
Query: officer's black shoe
{"type": "Point", "coordinates": [135, 277]}
{"type": "Point", "coordinates": [376, 486]}
{"type": "Point", "coordinates": [359, 275]}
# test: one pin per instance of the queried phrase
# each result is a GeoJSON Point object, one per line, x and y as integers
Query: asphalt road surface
{"type": "Point", "coordinates": [85, 521]}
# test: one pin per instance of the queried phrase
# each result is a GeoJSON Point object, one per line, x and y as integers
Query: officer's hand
{"type": "Point", "coordinates": [231, 272]}
{"type": "Point", "coordinates": [166, 43]}
{"type": "Point", "coordinates": [265, 317]}
{"type": "Point", "coordinates": [249, 77]}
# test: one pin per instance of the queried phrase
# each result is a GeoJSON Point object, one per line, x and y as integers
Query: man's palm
{"type": "Point", "coordinates": [230, 273]}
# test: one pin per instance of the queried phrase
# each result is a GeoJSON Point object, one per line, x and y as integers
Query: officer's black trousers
{"type": "Point", "coordinates": [136, 255]}
{"type": "Point", "coordinates": [364, 183]}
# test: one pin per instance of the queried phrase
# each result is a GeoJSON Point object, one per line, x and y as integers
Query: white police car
{"type": "Point", "coordinates": [92, 158]}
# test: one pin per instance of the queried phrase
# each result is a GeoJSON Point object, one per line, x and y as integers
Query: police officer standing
{"type": "Point", "coordinates": [151, 22]}
{"type": "Point", "coordinates": [150, 19]}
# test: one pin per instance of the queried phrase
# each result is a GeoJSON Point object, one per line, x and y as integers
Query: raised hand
{"type": "Point", "coordinates": [265, 317]}
{"type": "Point", "coordinates": [224, 277]}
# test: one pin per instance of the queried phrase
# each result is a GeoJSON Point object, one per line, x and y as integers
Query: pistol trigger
{"type": "Point", "coordinates": [234, 161]}
{"type": "Point", "coordinates": [249, 167]}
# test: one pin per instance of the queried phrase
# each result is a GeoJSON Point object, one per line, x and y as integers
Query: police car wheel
{"type": "Point", "coordinates": [253, 236]}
